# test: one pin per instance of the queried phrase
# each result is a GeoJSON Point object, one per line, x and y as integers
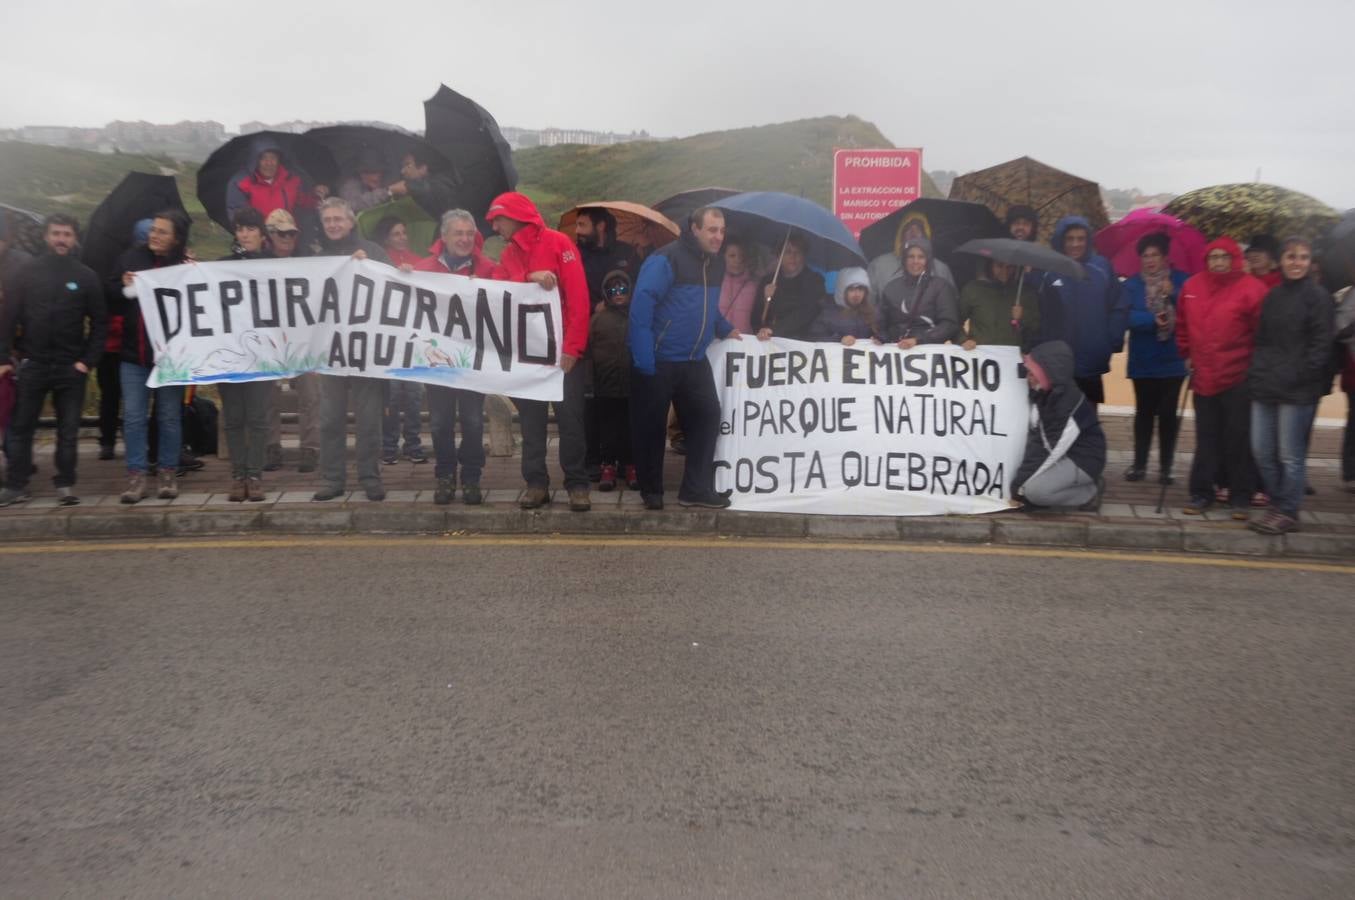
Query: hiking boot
{"type": "Point", "coordinates": [1273, 522]}
{"type": "Point", "coordinates": [272, 458]}
{"type": "Point", "coordinates": [471, 496]}
{"type": "Point", "coordinates": [534, 497]}
{"type": "Point", "coordinates": [1260, 500]}
{"type": "Point", "coordinates": [713, 500]}
{"type": "Point", "coordinates": [632, 479]}
{"type": "Point", "coordinates": [374, 491]}
{"type": "Point", "coordinates": [1196, 506]}
{"type": "Point", "coordinates": [1135, 473]}
{"type": "Point", "coordinates": [190, 463]}
{"type": "Point", "coordinates": [239, 491]}
{"type": "Point", "coordinates": [607, 481]}
{"type": "Point", "coordinates": [310, 460]}
{"type": "Point", "coordinates": [10, 496]}
{"type": "Point", "coordinates": [578, 500]}
{"type": "Point", "coordinates": [389, 459]}
{"type": "Point", "coordinates": [136, 488]}
{"type": "Point", "coordinates": [254, 486]}
{"type": "Point", "coordinates": [105, 451]}
{"type": "Point", "coordinates": [416, 455]}
{"type": "Point", "coordinates": [328, 492]}
{"type": "Point", "coordinates": [652, 501]}
{"type": "Point", "coordinates": [65, 496]}
{"type": "Point", "coordinates": [169, 488]}
{"type": "Point", "coordinates": [445, 491]}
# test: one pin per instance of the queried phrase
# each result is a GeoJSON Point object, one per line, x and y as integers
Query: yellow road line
{"type": "Point", "coordinates": [673, 542]}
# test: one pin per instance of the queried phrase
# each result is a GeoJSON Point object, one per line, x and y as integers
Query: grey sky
{"type": "Point", "coordinates": [1165, 96]}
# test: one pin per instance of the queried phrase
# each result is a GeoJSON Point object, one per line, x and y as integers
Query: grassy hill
{"type": "Point", "coordinates": [794, 157]}
{"type": "Point", "coordinates": [56, 179]}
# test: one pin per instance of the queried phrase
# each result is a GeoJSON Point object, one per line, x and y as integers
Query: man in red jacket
{"type": "Point", "coordinates": [1216, 323]}
{"type": "Point", "coordinates": [539, 254]}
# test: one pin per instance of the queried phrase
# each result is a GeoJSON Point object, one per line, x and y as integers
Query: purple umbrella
{"type": "Point", "coordinates": [1119, 242]}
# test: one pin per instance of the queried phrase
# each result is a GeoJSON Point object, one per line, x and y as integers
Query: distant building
{"type": "Point", "coordinates": [522, 138]}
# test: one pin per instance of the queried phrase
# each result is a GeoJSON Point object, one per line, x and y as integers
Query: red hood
{"type": "Point", "coordinates": [516, 207]}
{"type": "Point", "coordinates": [1234, 251]}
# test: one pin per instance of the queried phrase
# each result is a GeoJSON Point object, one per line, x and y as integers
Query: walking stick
{"type": "Point", "coordinates": [1180, 411]}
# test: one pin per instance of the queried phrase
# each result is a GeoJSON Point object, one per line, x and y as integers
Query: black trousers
{"type": "Point", "coordinates": [689, 386]}
{"type": "Point", "coordinates": [1223, 444]}
{"type": "Point", "coordinates": [611, 418]}
{"type": "Point", "coordinates": [532, 414]}
{"type": "Point", "coordinates": [110, 397]}
{"type": "Point", "coordinates": [1348, 443]}
{"type": "Point", "coordinates": [33, 383]}
{"type": "Point", "coordinates": [1155, 402]}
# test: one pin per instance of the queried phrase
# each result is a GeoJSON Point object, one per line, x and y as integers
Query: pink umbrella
{"type": "Point", "coordinates": [1119, 242]}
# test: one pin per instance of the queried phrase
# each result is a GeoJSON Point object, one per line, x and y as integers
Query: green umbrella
{"type": "Point", "coordinates": [1240, 211]}
{"type": "Point", "coordinates": [423, 231]}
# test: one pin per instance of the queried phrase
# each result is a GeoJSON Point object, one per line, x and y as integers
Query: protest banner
{"type": "Point", "coordinates": [252, 320]}
{"type": "Point", "coordinates": [868, 429]}
{"type": "Point", "coordinates": [870, 184]}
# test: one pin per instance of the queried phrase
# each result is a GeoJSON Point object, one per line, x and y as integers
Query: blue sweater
{"type": "Point", "coordinates": [1149, 357]}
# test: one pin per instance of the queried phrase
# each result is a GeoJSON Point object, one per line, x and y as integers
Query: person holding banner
{"type": "Point", "coordinates": [791, 298]}
{"type": "Point", "coordinates": [166, 245]}
{"type": "Point", "coordinates": [457, 252]}
{"type": "Point", "coordinates": [339, 237]}
{"type": "Point", "coordinates": [852, 316]}
{"type": "Point", "coordinates": [991, 307]}
{"type": "Point", "coordinates": [674, 315]}
{"type": "Point", "coordinates": [919, 307]}
{"type": "Point", "coordinates": [1066, 449]}
{"type": "Point", "coordinates": [546, 257]}
{"type": "Point", "coordinates": [284, 238]}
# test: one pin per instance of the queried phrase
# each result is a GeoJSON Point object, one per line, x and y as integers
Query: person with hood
{"type": "Point", "coordinates": [993, 309]}
{"type": "Point", "coordinates": [918, 307]}
{"type": "Point", "coordinates": [268, 185]}
{"type": "Point", "coordinates": [339, 237]}
{"type": "Point", "coordinates": [1263, 259]}
{"type": "Point", "coordinates": [55, 308]}
{"type": "Point", "coordinates": [457, 252]}
{"type": "Point", "coordinates": [609, 353]}
{"type": "Point", "coordinates": [1155, 364]}
{"type": "Point", "coordinates": [532, 252]}
{"type": "Point", "coordinates": [1095, 311]}
{"type": "Point", "coordinates": [368, 187]}
{"type": "Point", "coordinates": [166, 245]}
{"type": "Point", "coordinates": [435, 192]}
{"type": "Point", "coordinates": [789, 301]}
{"type": "Point", "coordinates": [1216, 319]}
{"type": "Point", "coordinates": [674, 315]}
{"type": "Point", "coordinates": [738, 291]}
{"type": "Point", "coordinates": [1291, 369]}
{"type": "Point", "coordinates": [851, 316]}
{"type": "Point", "coordinates": [887, 266]}
{"type": "Point", "coordinates": [1066, 448]}
{"type": "Point", "coordinates": [601, 251]}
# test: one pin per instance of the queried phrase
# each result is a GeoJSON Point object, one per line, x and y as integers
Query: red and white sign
{"type": "Point", "coordinates": [870, 184]}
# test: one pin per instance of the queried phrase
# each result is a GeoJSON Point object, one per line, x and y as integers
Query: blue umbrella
{"type": "Point", "coordinates": [769, 218]}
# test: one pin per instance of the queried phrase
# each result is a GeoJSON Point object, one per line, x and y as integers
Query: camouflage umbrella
{"type": "Point", "coordinates": [1239, 211]}
{"type": "Point", "coordinates": [1051, 192]}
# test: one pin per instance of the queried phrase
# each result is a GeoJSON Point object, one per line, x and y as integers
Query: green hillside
{"type": "Point", "coordinates": [56, 179]}
{"type": "Point", "coordinates": [794, 157]}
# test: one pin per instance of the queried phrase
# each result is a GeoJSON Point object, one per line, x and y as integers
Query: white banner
{"type": "Point", "coordinates": [868, 430]}
{"type": "Point", "coordinates": [263, 319]}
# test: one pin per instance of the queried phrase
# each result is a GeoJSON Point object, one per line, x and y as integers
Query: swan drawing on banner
{"type": "Point", "coordinates": [224, 360]}
{"type": "Point", "coordinates": [435, 356]}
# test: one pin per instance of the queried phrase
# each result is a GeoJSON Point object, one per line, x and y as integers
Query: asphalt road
{"type": "Point", "coordinates": [592, 718]}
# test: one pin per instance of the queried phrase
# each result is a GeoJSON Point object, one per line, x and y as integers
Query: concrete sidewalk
{"type": "Point", "coordinates": [1127, 519]}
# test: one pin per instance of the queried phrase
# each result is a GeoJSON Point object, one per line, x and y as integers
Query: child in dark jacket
{"type": "Point", "coordinates": [610, 355]}
{"type": "Point", "coordinates": [851, 316]}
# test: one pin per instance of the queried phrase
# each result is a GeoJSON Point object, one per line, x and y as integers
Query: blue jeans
{"type": "Point", "coordinates": [136, 402]}
{"type": "Point", "coordinates": [404, 399]}
{"type": "Point", "coordinates": [1279, 441]}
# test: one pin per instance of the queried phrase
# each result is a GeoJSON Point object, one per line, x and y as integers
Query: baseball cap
{"type": "Point", "coordinates": [280, 220]}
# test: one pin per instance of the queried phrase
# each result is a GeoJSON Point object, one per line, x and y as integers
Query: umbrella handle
{"type": "Point", "coordinates": [1021, 282]}
{"type": "Point", "coordinates": [767, 302]}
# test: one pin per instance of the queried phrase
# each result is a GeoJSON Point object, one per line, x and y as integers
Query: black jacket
{"type": "Point", "coordinates": [599, 262]}
{"type": "Point", "coordinates": [435, 194]}
{"type": "Point", "coordinates": [55, 304]}
{"type": "Point", "coordinates": [350, 245]}
{"type": "Point", "coordinates": [11, 264]}
{"type": "Point", "coordinates": [610, 352]}
{"type": "Point", "coordinates": [1063, 423]}
{"type": "Point", "coordinates": [136, 345]}
{"type": "Point", "coordinates": [797, 303]}
{"type": "Point", "coordinates": [923, 308]}
{"type": "Point", "coordinates": [1292, 357]}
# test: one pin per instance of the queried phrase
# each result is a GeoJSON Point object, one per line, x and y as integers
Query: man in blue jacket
{"type": "Point", "coordinates": [1095, 312]}
{"type": "Point", "coordinates": [674, 315]}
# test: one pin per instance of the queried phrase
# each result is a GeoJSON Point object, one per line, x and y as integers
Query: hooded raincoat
{"type": "Point", "coordinates": [1216, 319]}
{"type": "Point", "coordinates": [283, 191]}
{"type": "Point", "coordinates": [838, 320]}
{"type": "Point", "coordinates": [1062, 423]}
{"type": "Point", "coordinates": [1095, 310]}
{"type": "Point", "coordinates": [924, 308]}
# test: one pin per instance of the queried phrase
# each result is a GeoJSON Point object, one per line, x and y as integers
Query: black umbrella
{"type": "Point", "coordinates": [23, 228]}
{"type": "Point", "coordinates": [1025, 253]}
{"type": "Point", "coordinates": [301, 156]}
{"type": "Point", "coordinates": [353, 145]}
{"type": "Point", "coordinates": [679, 207]}
{"type": "Point", "coordinates": [467, 136]}
{"type": "Point", "coordinates": [138, 196]}
{"type": "Point", "coordinates": [1336, 251]}
{"type": "Point", "coordinates": [952, 222]}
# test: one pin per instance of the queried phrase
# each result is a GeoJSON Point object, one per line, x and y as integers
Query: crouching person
{"type": "Point", "coordinates": [1066, 449]}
